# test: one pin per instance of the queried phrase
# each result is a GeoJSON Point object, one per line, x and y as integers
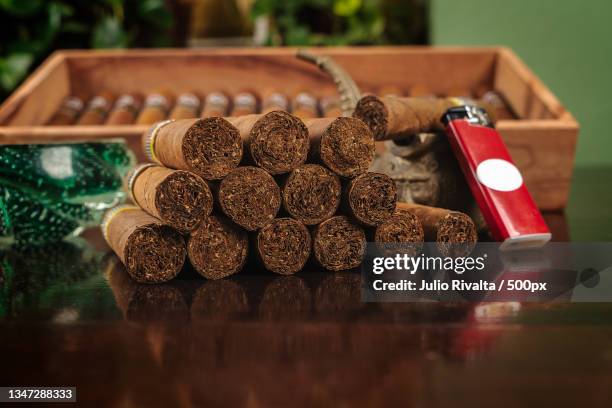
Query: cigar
{"type": "Point", "coordinates": [69, 111]}
{"type": "Point", "coordinates": [250, 197]}
{"type": "Point", "coordinates": [151, 251]}
{"type": "Point", "coordinates": [217, 248]}
{"type": "Point", "coordinates": [311, 194]}
{"type": "Point", "coordinates": [277, 141]}
{"type": "Point", "coordinates": [219, 300]}
{"type": "Point", "coordinates": [97, 109]}
{"type": "Point", "coordinates": [286, 298]}
{"type": "Point", "coordinates": [390, 117]}
{"type": "Point", "coordinates": [345, 145]}
{"type": "Point", "coordinates": [179, 198]}
{"type": "Point", "coordinates": [371, 198]}
{"type": "Point", "coordinates": [215, 105]}
{"type": "Point", "coordinates": [209, 147]}
{"type": "Point", "coordinates": [156, 108]}
{"type": "Point", "coordinates": [187, 106]}
{"type": "Point", "coordinates": [330, 107]}
{"type": "Point", "coordinates": [305, 106]}
{"type": "Point", "coordinates": [453, 231]}
{"type": "Point", "coordinates": [273, 100]}
{"type": "Point", "coordinates": [497, 105]}
{"type": "Point", "coordinates": [339, 244]}
{"type": "Point", "coordinates": [125, 110]}
{"type": "Point", "coordinates": [283, 246]}
{"type": "Point", "coordinates": [244, 103]}
{"type": "Point", "coordinates": [402, 228]}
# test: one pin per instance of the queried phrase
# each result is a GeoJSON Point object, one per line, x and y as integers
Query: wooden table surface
{"type": "Point", "coordinates": [306, 340]}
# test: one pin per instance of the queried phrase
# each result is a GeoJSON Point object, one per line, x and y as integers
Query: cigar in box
{"type": "Point", "coordinates": [156, 108]}
{"type": "Point", "coordinates": [244, 103]}
{"type": "Point", "coordinates": [97, 109]}
{"type": "Point", "coordinates": [305, 105]}
{"type": "Point", "coordinates": [125, 111]}
{"type": "Point", "coordinates": [330, 106]}
{"type": "Point", "coordinates": [68, 112]}
{"type": "Point", "coordinates": [216, 104]}
{"type": "Point", "coordinates": [272, 100]}
{"type": "Point", "coordinates": [187, 106]}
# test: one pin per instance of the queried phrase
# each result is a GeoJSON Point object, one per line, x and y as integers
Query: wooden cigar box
{"type": "Point", "coordinates": [541, 138]}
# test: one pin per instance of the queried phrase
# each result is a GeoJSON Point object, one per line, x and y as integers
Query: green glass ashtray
{"type": "Point", "coordinates": [50, 191]}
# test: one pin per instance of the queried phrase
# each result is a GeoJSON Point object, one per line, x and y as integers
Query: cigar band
{"type": "Point", "coordinates": [99, 104]}
{"type": "Point", "coordinates": [136, 171]}
{"type": "Point", "coordinates": [307, 100]}
{"type": "Point", "coordinates": [188, 100]}
{"type": "Point", "coordinates": [150, 140]}
{"type": "Point", "coordinates": [110, 214]}
{"type": "Point", "coordinates": [277, 99]}
{"type": "Point", "coordinates": [157, 101]}
{"type": "Point", "coordinates": [245, 100]}
{"type": "Point", "coordinates": [129, 103]}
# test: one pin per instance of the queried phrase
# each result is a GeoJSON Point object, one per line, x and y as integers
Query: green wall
{"type": "Point", "coordinates": [567, 43]}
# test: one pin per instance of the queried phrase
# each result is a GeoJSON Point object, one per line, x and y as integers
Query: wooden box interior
{"type": "Point", "coordinates": [542, 140]}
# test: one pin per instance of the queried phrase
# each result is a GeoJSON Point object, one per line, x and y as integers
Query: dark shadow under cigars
{"type": "Point", "coordinates": [311, 194]}
{"type": "Point", "coordinates": [276, 141]}
{"type": "Point", "coordinates": [250, 197]}
{"type": "Point", "coordinates": [179, 198]}
{"type": "Point", "coordinates": [151, 251]}
{"type": "Point", "coordinates": [217, 248]}
{"type": "Point", "coordinates": [210, 147]}
{"type": "Point", "coordinates": [345, 145]}
{"type": "Point", "coordinates": [283, 246]}
{"type": "Point", "coordinates": [454, 232]}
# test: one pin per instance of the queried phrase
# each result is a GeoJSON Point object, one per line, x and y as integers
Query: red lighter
{"type": "Point", "coordinates": [496, 183]}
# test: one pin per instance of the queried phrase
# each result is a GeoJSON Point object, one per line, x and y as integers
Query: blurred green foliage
{"type": "Point", "coordinates": [344, 22]}
{"type": "Point", "coordinates": [31, 29]}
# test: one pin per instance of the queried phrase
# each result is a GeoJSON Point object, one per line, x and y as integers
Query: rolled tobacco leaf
{"type": "Point", "coordinates": [453, 231]}
{"type": "Point", "coordinates": [179, 198]}
{"type": "Point", "coordinates": [305, 106]}
{"type": "Point", "coordinates": [216, 104]}
{"type": "Point", "coordinates": [283, 246]}
{"type": "Point", "coordinates": [151, 251]}
{"type": "Point", "coordinates": [244, 103]}
{"type": "Point", "coordinates": [68, 112]}
{"type": "Point", "coordinates": [345, 145]}
{"type": "Point", "coordinates": [209, 147]}
{"type": "Point", "coordinates": [157, 105]}
{"type": "Point", "coordinates": [250, 197]}
{"type": "Point", "coordinates": [217, 248]}
{"type": "Point", "coordinates": [402, 228]}
{"type": "Point", "coordinates": [339, 244]}
{"type": "Point", "coordinates": [187, 106]}
{"type": "Point", "coordinates": [277, 141]}
{"type": "Point", "coordinates": [272, 100]}
{"type": "Point", "coordinates": [97, 109]}
{"type": "Point", "coordinates": [311, 194]}
{"type": "Point", "coordinates": [393, 117]}
{"type": "Point", "coordinates": [371, 198]}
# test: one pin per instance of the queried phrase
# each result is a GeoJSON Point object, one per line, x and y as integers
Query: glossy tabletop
{"type": "Point", "coordinates": [70, 316]}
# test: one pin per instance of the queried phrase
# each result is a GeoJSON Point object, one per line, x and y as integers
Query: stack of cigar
{"type": "Point", "coordinates": [284, 189]}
